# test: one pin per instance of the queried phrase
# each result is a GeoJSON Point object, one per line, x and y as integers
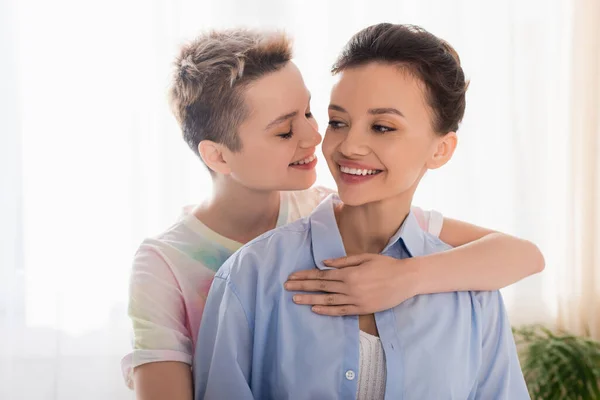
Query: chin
{"type": "Point", "coordinates": [353, 198]}
{"type": "Point", "coordinates": [299, 184]}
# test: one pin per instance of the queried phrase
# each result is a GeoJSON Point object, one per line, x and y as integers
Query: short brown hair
{"type": "Point", "coordinates": [210, 73]}
{"type": "Point", "coordinates": [423, 54]}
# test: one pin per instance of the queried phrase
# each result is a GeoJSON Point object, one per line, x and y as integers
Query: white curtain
{"type": "Point", "coordinates": [91, 160]}
{"type": "Point", "coordinates": [579, 292]}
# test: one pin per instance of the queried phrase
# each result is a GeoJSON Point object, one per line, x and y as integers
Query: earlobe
{"type": "Point", "coordinates": [213, 156]}
{"type": "Point", "coordinates": [444, 151]}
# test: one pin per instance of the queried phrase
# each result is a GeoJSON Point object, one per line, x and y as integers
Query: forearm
{"type": "Point", "coordinates": [490, 263]}
{"type": "Point", "coordinates": [163, 380]}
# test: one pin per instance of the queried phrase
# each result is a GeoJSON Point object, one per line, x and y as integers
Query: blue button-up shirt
{"type": "Point", "coordinates": [255, 343]}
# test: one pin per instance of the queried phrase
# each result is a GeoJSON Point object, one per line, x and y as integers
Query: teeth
{"type": "Point", "coordinates": [305, 161]}
{"type": "Point", "coordinates": [356, 171]}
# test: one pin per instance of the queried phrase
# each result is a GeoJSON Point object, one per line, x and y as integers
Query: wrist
{"type": "Point", "coordinates": [414, 269]}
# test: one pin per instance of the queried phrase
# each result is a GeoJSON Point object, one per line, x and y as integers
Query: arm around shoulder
{"type": "Point", "coordinates": [511, 250]}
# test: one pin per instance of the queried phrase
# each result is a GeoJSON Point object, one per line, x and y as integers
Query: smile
{"type": "Point", "coordinates": [353, 176]}
{"type": "Point", "coordinates": [356, 171]}
{"type": "Point", "coordinates": [307, 160]}
{"type": "Point", "coordinates": [306, 163]}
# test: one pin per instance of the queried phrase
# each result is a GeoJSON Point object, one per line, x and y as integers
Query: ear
{"type": "Point", "coordinates": [444, 151]}
{"type": "Point", "coordinates": [214, 156]}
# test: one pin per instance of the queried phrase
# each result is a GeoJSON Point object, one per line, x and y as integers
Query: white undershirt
{"type": "Point", "coordinates": [371, 372]}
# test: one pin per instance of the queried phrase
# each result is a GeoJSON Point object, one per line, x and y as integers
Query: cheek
{"type": "Point", "coordinates": [406, 158]}
{"type": "Point", "coordinates": [255, 158]}
{"type": "Point", "coordinates": [278, 155]}
{"type": "Point", "coordinates": [274, 160]}
{"type": "Point", "coordinates": [329, 143]}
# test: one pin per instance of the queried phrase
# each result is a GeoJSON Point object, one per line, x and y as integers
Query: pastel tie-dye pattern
{"type": "Point", "coordinates": [172, 274]}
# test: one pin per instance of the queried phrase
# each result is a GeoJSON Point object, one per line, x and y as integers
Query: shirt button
{"type": "Point", "coordinates": [350, 375]}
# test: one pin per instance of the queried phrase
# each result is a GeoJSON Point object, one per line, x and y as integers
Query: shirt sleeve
{"type": "Point", "coordinates": [429, 220]}
{"type": "Point", "coordinates": [500, 376]}
{"type": "Point", "coordinates": [222, 365]}
{"type": "Point", "coordinates": [157, 313]}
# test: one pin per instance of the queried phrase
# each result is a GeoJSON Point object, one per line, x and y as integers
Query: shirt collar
{"type": "Point", "coordinates": [327, 241]}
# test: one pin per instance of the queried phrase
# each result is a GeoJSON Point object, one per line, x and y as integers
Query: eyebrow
{"type": "Point", "coordinates": [335, 107]}
{"type": "Point", "coordinates": [373, 111]}
{"type": "Point", "coordinates": [282, 118]}
{"type": "Point", "coordinates": [389, 110]}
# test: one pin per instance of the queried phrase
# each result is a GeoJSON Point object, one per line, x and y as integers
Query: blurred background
{"type": "Point", "coordinates": [92, 161]}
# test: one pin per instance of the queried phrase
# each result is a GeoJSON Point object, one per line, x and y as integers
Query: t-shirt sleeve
{"type": "Point", "coordinates": [430, 220]}
{"type": "Point", "coordinates": [157, 312]}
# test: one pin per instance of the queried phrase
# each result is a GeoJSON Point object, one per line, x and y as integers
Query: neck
{"type": "Point", "coordinates": [237, 212]}
{"type": "Point", "coordinates": [369, 227]}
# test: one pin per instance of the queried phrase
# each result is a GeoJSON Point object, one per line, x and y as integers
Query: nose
{"type": "Point", "coordinates": [310, 136]}
{"type": "Point", "coordinates": [354, 143]}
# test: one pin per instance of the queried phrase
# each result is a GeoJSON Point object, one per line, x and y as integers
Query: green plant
{"type": "Point", "coordinates": [558, 366]}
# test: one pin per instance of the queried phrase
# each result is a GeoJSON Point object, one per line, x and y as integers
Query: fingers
{"type": "Point", "coordinates": [315, 286]}
{"type": "Point", "coordinates": [337, 311]}
{"type": "Point", "coordinates": [329, 299]}
{"type": "Point", "coordinates": [349, 261]}
{"type": "Point", "coordinates": [315, 274]}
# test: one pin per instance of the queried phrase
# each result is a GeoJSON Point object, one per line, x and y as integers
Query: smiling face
{"type": "Point", "coordinates": [380, 139]}
{"type": "Point", "coordinates": [279, 136]}
{"type": "Point", "coordinates": [244, 109]}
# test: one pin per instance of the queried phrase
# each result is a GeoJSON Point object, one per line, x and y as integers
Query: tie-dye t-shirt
{"type": "Point", "coordinates": [172, 274]}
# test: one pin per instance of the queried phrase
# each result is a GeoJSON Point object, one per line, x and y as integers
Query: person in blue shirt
{"type": "Point", "coordinates": [393, 115]}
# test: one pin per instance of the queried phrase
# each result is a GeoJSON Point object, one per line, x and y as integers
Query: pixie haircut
{"type": "Point", "coordinates": [420, 53]}
{"type": "Point", "coordinates": [211, 73]}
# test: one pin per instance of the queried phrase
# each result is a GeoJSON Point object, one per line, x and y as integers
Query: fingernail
{"type": "Point", "coordinates": [292, 277]}
{"type": "Point", "coordinates": [296, 299]}
{"type": "Point", "coordinates": [316, 309]}
{"type": "Point", "coordinates": [286, 285]}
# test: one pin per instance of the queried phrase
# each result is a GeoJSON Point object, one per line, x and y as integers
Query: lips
{"type": "Point", "coordinates": [359, 171]}
{"type": "Point", "coordinates": [352, 172]}
{"type": "Point", "coordinates": [306, 163]}
{"type": "Point", "coordinates": [306, 160]}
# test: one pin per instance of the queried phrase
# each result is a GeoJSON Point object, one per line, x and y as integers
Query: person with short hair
{"type": "Point", "coordinates": [244, 109]}
{"type": "Point", "coordinates": [393, 116]}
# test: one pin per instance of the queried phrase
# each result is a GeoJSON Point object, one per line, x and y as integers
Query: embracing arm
{"type": "Point", "coordinates": [480, 260]}
{"type": "Point", "coordinates": [362, 284]}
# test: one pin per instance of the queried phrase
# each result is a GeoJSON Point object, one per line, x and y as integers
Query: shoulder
{"type": "Point", "coordinates": [178, 232]}
{"type": "Point", "coordinates": [150, 257]}
{"type": "Point", "coordinates": [490, 300]}
{"type": "Point", "coordinates": [256, 272]}
{"type": "Point", "coordinates": [178, 254]}
{"type": "Point", "coordinates": [267, 251]}
{"type": "Point", "coordinates": [429, 220]}
{"type": "Point", "coordinates": [433, 244]}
